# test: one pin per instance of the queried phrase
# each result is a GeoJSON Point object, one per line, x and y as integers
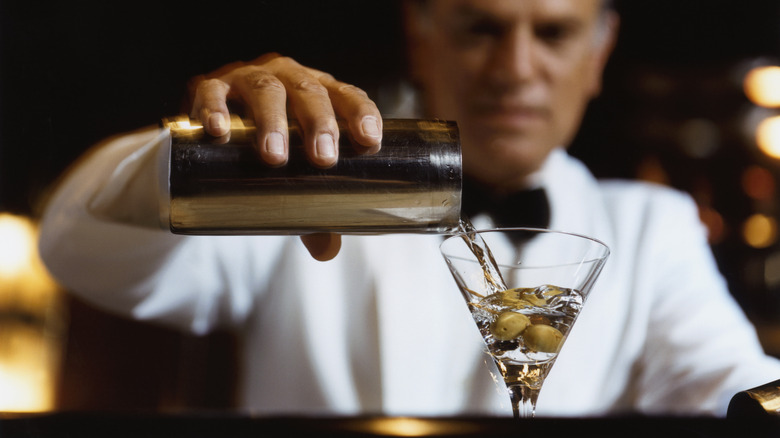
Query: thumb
{"type": "Point", "coordinates": [322, 246]}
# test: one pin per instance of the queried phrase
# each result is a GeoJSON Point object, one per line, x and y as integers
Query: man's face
{"type": "Point", "coordinates": [515, 74]}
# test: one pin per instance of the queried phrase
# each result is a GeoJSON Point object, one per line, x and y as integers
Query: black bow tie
{"type": "Point", "coordinates": [526, 208]}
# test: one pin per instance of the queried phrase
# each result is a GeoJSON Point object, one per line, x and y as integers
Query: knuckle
{"type": "Point", "coordinates": [332, 126]}
{"type": "Point", "coordinates": [210, 84]}
{"type": "Point", "coordinates": [209, 90]}
{"type": "Point", "coordinates": [323, 125]}
{"type": "Point", "coordinates": [310, 86]}
{"type": "Point", "coordinates": [284, 61]}
{"type": "Point", "coordinates": [349, 89]}
{"type": "Point", "coordinates": [366, 108]}
{"type": "Point", "coordinates": [322, 76]}
{"type": "Point", "coordinates": [259, 81]}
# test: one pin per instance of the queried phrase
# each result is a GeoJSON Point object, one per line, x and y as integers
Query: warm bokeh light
{"type": "Point", "coordinates": [27, 370]}
{"type": "Point", "coordinates": [411, 427]}
{"type": "Point", "coordinates": [24, 281]}
{"type": "Point", "coordinates": [762, 86]}
{"type": "Point", "coordinates": [716, 226]}
{"type": "Point", "coordinates": [772, 270]}
{"type": "Point", "coordinates": [760, 231]}
{"type": "Point", "coordinates": [651, 169]}
{"type": "Point", "coordinates": [30, 320]}
{"type": "Point", "coordinates": [768, 136]}
{"type": "Point", "coordinates": [17, 240]}
{"type": "Point", "coordinates": [699, 137]}
{"type": "Point", "coordinates": [758, 183]}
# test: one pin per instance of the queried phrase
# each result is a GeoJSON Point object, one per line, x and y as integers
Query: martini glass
{"type": "Point", "coordinates": [525, 288]}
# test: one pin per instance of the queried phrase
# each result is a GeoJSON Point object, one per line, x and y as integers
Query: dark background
{"type": "Point", "coordinates": [72, 73]}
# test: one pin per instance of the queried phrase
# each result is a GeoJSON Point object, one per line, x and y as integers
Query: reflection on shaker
{"type": "Point", "coordinates": [221, 187]}
{"type": "Point", "coordinates": [760, 401]}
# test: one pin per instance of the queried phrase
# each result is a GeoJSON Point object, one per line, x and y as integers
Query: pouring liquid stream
{"type": "Point", "coordinates": [485, 258]}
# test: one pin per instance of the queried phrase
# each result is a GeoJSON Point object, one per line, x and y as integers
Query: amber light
{"type": "Point", "coordinates": [758, 183]}
{"type": "Point", "coordinates": [768, 136]}
{"type": "Point", "coordinates": [762, 86]}
{"type": "Point", "coordinates": [411, 427]}
{"type": "Point", "coordinates": [30, 321]}
{"type": "Point", "coordinates": [760, 231]}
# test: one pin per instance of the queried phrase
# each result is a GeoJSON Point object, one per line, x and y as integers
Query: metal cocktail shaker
{"type": "Point", "coordinates": [221, 187]}
{"type": "Point", "coordinates": [760, 401]}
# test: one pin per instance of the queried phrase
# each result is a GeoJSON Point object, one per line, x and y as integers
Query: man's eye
{"type": "Point", "coordinates": [476, 32]}
{"type": "Point", "coordinates": [484, 29]}
{"type": "Point", "coordinates": [553, 33]}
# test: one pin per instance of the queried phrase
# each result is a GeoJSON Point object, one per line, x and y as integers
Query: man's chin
{"type": "Point", "coordinates": [505, 159]}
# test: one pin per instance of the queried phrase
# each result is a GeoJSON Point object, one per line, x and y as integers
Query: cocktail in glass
{"type": "Point", "coordinates": [524, 288]}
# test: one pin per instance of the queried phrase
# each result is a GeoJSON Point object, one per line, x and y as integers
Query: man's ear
{"type": "Point", "coordinates": [603, 50]}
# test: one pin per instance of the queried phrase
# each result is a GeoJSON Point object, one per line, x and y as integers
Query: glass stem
{"type": "Point", "coordinates": [523, 400]}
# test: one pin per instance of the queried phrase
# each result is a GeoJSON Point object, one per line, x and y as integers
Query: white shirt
{"type": "Point", "coordinates": [382, 328]}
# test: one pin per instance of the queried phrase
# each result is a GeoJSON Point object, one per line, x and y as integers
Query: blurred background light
{"type": "Point", "coordinates": [762, 86]}
{"type": "Point", "coordinates": [699, 137]}
{"type": "Point", "coordinates": [768, 136]}
{"type": "Point", "coordinates": [16, 243]}
{"type": "Point", "coordinates": [760, 231]}
{"type": "Point", "coordinates": [758, 183]}
{"type": "Point", "coordinates": [716, 226]}
{"type": "Point", "coordinates": [772, 270]}
{"type": "Point", "coordinates": [31, 323]}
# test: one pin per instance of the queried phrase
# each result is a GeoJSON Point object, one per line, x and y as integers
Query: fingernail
{"type": "Point", "coordinates": [217, 123]}
{"type": "Point", "coordinates": [370, 126]}
{"type": "Point", "coordinates": [274, 144]}
{"type": "Point", "coordinates": [325, 146]}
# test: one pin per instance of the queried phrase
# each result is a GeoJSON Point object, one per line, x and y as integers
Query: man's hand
{"type": "Point", "coordinates": [269, 85]}
{"type": "Point", "coordinates": [265, 86]}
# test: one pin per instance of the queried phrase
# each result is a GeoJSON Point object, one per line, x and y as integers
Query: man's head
{"type": "Point", "coordinates": [515, 74]}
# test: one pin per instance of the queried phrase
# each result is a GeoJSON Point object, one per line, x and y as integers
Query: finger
{"type": "Point", "coordinates": [262, 59]}
{"type": "Point", "coordinates": [210, 106]}
{"type": "Point", "coordinates": [322, 246]}
{"type": "Point", "coordinates": [265, 98]}
{"type": "Point", "coordinates": [310, 102]}
{"type": "Point", "coordinates": [361, 113]}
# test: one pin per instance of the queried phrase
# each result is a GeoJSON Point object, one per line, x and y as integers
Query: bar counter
{"type": "Point", "coordinates": [222, 425]}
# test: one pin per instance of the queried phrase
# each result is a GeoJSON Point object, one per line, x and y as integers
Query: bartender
{"type": "Point", "coordinates": [363, 325]}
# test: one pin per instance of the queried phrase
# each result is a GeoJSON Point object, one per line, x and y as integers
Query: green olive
{"type": "Point", "coordinates": [543, 338]}
{"type": "Point", "coordinates": [509, 325]}
{"type": "Point", "coordinates": [535, 300]}
{"type": "Point", "coordinates": [511, 297]}
{"type": "Point", "coordinates": [516, 303]}
{"type": "Point", "coordinates": [522, 297]}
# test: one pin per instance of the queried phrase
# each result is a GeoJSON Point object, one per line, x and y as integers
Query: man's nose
{"type": "Point", "coordinates": [514, 59]}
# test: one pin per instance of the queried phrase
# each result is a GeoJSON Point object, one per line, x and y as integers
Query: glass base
{"type": "Point", "coordinates": [523, 400]}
